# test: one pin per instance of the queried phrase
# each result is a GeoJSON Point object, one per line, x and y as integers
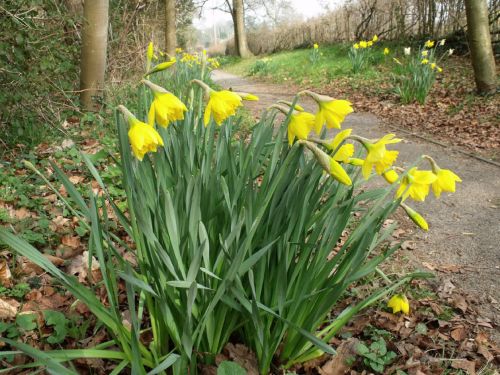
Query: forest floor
{"type": "Point", "coordinates": [462, 245]}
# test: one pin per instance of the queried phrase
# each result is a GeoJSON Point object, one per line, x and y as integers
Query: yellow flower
{"type": "Point", "coordinates": [331, 111]}
{"type": "Point", "coordinates": [424, 61]}
{"type": "Point", "coordinates": [369, 43]}
{"type": "Point", "coordinates": [300, 125]}
{"type": "Point", "coordinates": [378, 156]}
{"type": "Point", "coordinates": [344, 153]}
{"type": "Point", "coordinates": [363, 44]}
{"type": "Point", "coordinates": [149, 55]}
{"type": "Point", "coordinates": [416, 184]}
{"type": "Point", "coordinates": [222, 104]}
{"type": "Point", "coordinates": [391, 176]}
{"type": "Point", "coordinates": [329, 164]}
{"type": "Point", "coordinates": [178, 50]}
{"type": "Point", "coordinates": [143, 137]}
{"type": "Point", "coordinates": [375, 38]}
{"type": "Point", "coordinates": [356, 46]}
{"type": "Point", "coordinates": [416, 217]}
{"type": "Point", "coordinates": [445, 181]}
{"type": "Point", "coordinates": [166, 107]}
{"type": "Point", "coordinates": [433, 66]}
{"type": "Point", "coordinates": [160, 67]}
{"type": "Point", "coordinates": [429, 44]}
{"type": "Point", "coordinates": [398, 303]}
{"type": "Point", "coordinates": [316, 46]}
{"type": "Point", "coordinates": [386, 51]}
{"type": "Point", "coordinates": [425, 53]}
{"type": "Point", "coordinates": [439, 69]}
{"type": "Point", "coordinates": [356, 162]}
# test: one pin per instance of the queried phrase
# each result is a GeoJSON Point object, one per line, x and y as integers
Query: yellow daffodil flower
{"type": "Point", "coordinates": [439, 69]}
{"type": "Point", "coordinates": [425, 53]}
{"type": "Point", "coordinates": [221, 105]}
{"type": "Point", "coordinates": [378, 156]}
{"type": "Point", "coordinates": [363, 44]}
{"type": "Point", "coordinates": [356, 45]}
{"type": "Point", "coordinates": [356, 162]}
{"type": "Point", "coordinates": [316, 46]}
{"type": "Point", "coordinates": [398, 303]}
{"type": "Point", "coordinates": [329, 164]}
{"type": "Point", "coordinates": [369, 43]}
{"type": "Point", "coordinates": [143, 137]}
{"type": "Point", "coordinates": [330, 111]}
{"type": "Point", "coordinates": [433, 66]}
{"type": "Point", "coordinates": [424, 61]}
{"type": "Point", "coordinates": [386, 51]}
{"type": "Point", "coordinates": [375, 38]}
{"type": "Point", "coordinates": [429, 44]}
{"type": "Point", "coordinates": [166, 107]}
{"type": "Point", "coordinates": [178, 50]}
{"type": "Point", "coordinates": [445, 181]}
{"type": "Point", "coordinates": [391, 176]}
{"type": "Point", "coordinates": [416, 184]}
{"type": "Point", "coordinates": [300, 125]}
{"type": "Point", "coordinates": [344, 153]}
{"type": "Point", "coordinates": [415, 217]}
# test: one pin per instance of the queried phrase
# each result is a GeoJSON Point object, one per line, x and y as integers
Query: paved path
{"type": "Point", "coordinates": [464, 227]}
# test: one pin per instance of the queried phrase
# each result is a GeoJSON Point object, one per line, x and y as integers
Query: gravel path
{"type": "Point", "coordinates": [464, 235]}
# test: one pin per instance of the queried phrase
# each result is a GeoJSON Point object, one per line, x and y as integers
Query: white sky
{"type": "Point", "coordinates": [307, 8]}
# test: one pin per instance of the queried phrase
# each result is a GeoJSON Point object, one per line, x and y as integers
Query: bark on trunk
{"type": "Point", "coordinates": [93, 54]}
{"type": "Point", "coordinates": [240, 37]}
{"type": "Point", "coordinates": [479, 37]}
{"type": "Point", "coordinates": [170, 28]}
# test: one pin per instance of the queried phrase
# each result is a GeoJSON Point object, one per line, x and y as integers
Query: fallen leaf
{"type": "Point", "coordinates": [463, 364]}
{"type": "Point", "coordinates": [341, 362]}
{"type": "Point", "coordinates": [71, 241]}
{"type": "Point", "coordinates": [76, 179]}
{"type": "Point", "coordinates": [459, 302]}
{"type": "Point", "coordinates": [481, 349]}
{"type": "Point", "coordinates": [459, 333]}
{"type": "Point", "coordinates": [5, 275]}
{"type": "Point", "coordinates": [79, 266]}
{"type": "Point", "coordinates": [8, 308]}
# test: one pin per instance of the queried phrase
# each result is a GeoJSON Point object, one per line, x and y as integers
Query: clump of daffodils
{"type": "Point", "coordinates": [315, 54]}
{"type": "Point", "coordinates": [416, 73]}
{"type": "Point", "coordinates": [360, 52]}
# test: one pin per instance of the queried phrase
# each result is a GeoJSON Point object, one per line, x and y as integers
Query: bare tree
{"type": "Point", "coordinates": [480, 45]}
{"type": "Point", "coordinates": [240, 37]}
{"type": "Point", "coordinates": [170, 28]}
{"type": "Point", "coordinates": [93, 54]}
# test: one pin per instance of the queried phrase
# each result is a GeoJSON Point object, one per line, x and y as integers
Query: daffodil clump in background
{"type": "Point", "coordinates": [416, 72]}
{"type": "Point", "coordinates": [360, 54]}
{"type": "Point", "coordinates": [235, 237]}
{"type": "Point", "coordinates": [315, 54]}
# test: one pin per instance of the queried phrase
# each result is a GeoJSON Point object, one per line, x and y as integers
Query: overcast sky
{"type": "Point", "coordinates": [307, 8]}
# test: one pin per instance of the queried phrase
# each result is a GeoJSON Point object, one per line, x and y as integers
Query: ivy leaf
{"type": "Point", "coordinates": [60, 326]}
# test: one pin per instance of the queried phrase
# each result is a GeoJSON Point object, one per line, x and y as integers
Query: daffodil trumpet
{"type": "Point", "coordinates": [166, 107]}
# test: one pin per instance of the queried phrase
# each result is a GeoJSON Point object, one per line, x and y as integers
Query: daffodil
{"type": "Point", "coordinates": [166, 107]}
{"type": "Point", "coordinates": [329, 164]}
{"type": "Point", "coordinates": [415, 217]}
{"type": "Point", "coordinates": [450, 51]}
{"type": "Point", "coordinates": [300, 125]}
{"type": "Point", "coordinates": [356, 45]}
{"type": "Point", "coordinates": [429, 44]}
{"type": "Point", "coordinates": [143, 137]}
{"type": "Point", "coordinates": [425, 53]}
{"type": "Point", "coordinates": [363, 44]}
{"type": "Point", "coordinates": [378, 156]}
{"type": "Point", "coordinates": [433, 66]}
{"type": "Point", "coordinates": [442, 42]}
{"type": "Point", "coordinates": [391, 176]}
{"type": "Point", "coordinates": [398, 303]}
{"type": "Point", "coordinates": [343, 153]}
{"type": "Point", "coordinates": [375, 38]}
{"type": "Point", "coordinates": [407, 51]}
{"type": "Point", "coordinates": [356, 162]}
{"type": "Point", "coordinates": [178, 50]}
{"type": "Point", "coordinates": [149, 55]}
{"type": "Point", "coordinates": [439, 69]}
{"type": "Point", "coordinates": [424, 61]}
{"type": "Point", "coordinates": [316, 46]}
{"type": "Point", "coordinates": [221, 105]}
{"type": "Point", "coordinates": [445, 181]}
{"type": "Point", "coordinates": [160, 67]}
{"type": "Point", "coordinates": [386, 51]}
{"type": "Point", "coordinates": [330, 111]}
{"type": "Point", "coordinates": [369, 43]}
{"type": "Point", "coordinates": [416, 184]}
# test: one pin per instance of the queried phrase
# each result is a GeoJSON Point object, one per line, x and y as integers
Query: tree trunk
{"type": "Point", "coordinates": [170, 28]}
{"type": "Point", "coordinates": [93, 54]}
{"type": "Point", "coordinates": [479, 37]}
{"type": "Point", "coordinates": [74, 7]}
{"type": "Point", "coordinates": [240, 37]}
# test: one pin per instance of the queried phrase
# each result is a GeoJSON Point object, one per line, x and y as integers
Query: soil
{"type": "Point", "coordinates": [462, 245]}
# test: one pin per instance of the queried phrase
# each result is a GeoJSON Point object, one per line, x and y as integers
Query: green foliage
{"type": "Point", "coordinates": [260, 68]}
{"type": "Point", "coordinates": [58, 322]}
{"type": "Point", "coordinates": [359, 59]}
{"type": "Point", "coordinates": [376, 355]}
{"type": "Point", "coordinates": [17, 291]}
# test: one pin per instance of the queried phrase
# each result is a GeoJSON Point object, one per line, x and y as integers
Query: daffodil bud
{"type": "Point", "coordinates": [247, 96]}
{"type": "Point", "coordinates": [391, 176]}
{"type": "Point", "coordinates": [416, 217]}
{"type": "Point", "coordinates": [160, 67]}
